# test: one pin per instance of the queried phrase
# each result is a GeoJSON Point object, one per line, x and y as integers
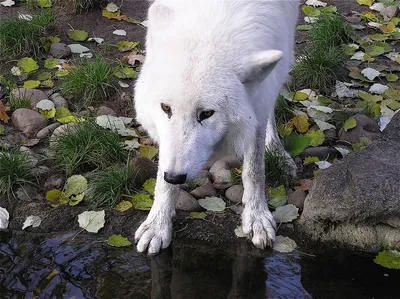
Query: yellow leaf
{"type": "Point", "coordinates": [301, 123]}
{"type": "Point", "coordinates": [365, 2]}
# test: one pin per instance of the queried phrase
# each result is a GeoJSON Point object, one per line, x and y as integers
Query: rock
{"type": "Point", "coordinates": [54, 182]}
{"type": "Point", "coordinates": [60, 50]}
{"type": "Point", "coordinates": [203, 177]}
{"type": "Point", "coordinates": [322, 152]}
{"type": "Point", "coordinates": [33, 95]}
{"type": "Point", "coordinates": [143, 169]}
{"type": "Point", "coordinates": [297, 198]}
{"type": "Point", "coordinates": [47, 131]}
{"type": "Point", "coordinates": [28, 193]}
{"type": "Point", "coordinates": [389, 12]}
{"type": "Point", "coordinates": [62, 130]}
{"type": "Point", "coordinates": [220, 173]}
{"type": "Point", "coordinates": [355, 203]}
{"type": "Point", "coordinates": [28, 121]}
{"type": "Point", "coordinates": [58, 100]}
{"type": "Point", "coordinates": [31, 157]}
{"type": "Point", "coordinates": [232, 161]}
{"type": "Point", "coordinates": [366, 127]}
{"type": "Point", "coordinates": [104, 110]}
{"type": "Point", "coordinates": [330, 135]}
{"type": "Point", "coordinates": [187, 202]}
{"type": "Point", "coordinates": [235, 193]}
{"type": "Point", "coordinates": [206, 190]}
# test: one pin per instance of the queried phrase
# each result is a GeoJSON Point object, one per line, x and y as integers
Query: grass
{"type": "Point", "coordinates": [89, 81]}
{"type": "Point", "coordinates": [15, 171]}
{"type": "Point", "coordinates": [19, 103]}
{"type": "Point", "coordinates": [107, 187]}
{"type": "Point", "coordinates": [78, 6]}
{"type": "Point", "coordinates": [277, 170]}
{"type": "Point", "coordinates": [21, 37]}
{"type": "Point", "coordinates": [87, 147]}
{"type": "Point", "coordinates": [320, 63]}
{"type": "Point", "coordinates": [283, 112]}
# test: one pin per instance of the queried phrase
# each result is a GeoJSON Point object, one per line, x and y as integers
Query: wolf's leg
{"type": "Point", "coordinates": [273, 143]}
{"type": "Point", "coordinates": [155, 232]}
{"type": "Point", "coordinates": [257, 220]}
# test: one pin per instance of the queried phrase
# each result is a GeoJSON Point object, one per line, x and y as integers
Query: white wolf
{"type": "Point", "coordinates": [212, 73]}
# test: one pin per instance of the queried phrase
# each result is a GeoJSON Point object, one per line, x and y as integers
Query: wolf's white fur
{"type": "Point", "coordinates": [230, 56]}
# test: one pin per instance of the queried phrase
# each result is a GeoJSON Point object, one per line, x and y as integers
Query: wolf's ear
{"type": "Point", "coordinates": [160, 16]}
{"type": "Point", "coordinates": [258, 66]}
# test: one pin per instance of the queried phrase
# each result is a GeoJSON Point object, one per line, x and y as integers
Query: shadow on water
{"type": "Point", "coordinates": [85, 267]}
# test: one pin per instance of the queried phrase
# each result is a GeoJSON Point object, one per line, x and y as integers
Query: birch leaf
{"type": "Point", "coordinates": [92, 221]}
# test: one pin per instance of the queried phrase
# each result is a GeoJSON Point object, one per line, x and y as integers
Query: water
{"type": "Point", "coordinates": [86, 267]}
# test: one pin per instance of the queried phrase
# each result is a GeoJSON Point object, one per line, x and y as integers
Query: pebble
{"type": "Point", "coordinates": [104, 110]}
{"type": "Point", "coordinates": [58, 100]}
{"type": "Point", "coordinates": [220, 172]}
{"type": "Point", "coordinates": [186, 202]}
{"type": "Point", "coordinates": [297, 198]}
{"type": "Point", "coordinates": [206, 190]}
{"type": "Point", "coordinates": [47, 131]}
{"type": "Point", "coordinates": [60, 50]}
{"type": "Point", "coordinates": [143, 169]}
{"type": "Point", "coordinates": [28, 121]}
{"type": "Point", "coordinates": [33, 95]}
{"type": "Point", "coordinates": [235, 193]}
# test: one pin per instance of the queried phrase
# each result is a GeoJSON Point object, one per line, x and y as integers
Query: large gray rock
{"type": "Point", "coordinates": [33, 95]}
{"type": "Point", "coordinates": [356, 202]}
{"type": "Point", "coordinates": [366, 127]}
{"type": "Point", "coordinates": [186, 202]}
{"type": "Point", "coordinates": [28, 121]}
{"type": "Point", "coordinates": [60, 50]}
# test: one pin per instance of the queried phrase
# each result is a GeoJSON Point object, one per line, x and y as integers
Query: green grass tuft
{"type": "Point", "coordinates": [89, 81]}
{"type": "Point", "coordinates": [15, 171]}
{"type": "Point", "coordinates": [277, 170]}
{"type": "Point", "coordinates": [107, 187]}
{"type": "Point", "coordinates": [87, 147]}
{"type": "Point", "coordinates": [320, 63]}
{"type": "Point", "coordinates": [21, 37]}
{"type": "Point", "coordinates": [283, 112]}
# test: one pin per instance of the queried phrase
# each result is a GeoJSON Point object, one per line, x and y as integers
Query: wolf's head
{"type": "Point", "coordinates": [192, 104]}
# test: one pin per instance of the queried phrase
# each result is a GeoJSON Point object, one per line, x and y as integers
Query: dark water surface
{"type": "Point", "coordinates": [85, 267]}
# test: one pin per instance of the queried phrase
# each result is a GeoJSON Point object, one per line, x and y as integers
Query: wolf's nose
{"type": "Point", "coordinates": [174, 178]}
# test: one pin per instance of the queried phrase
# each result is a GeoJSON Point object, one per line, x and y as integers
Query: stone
{"type": "Point", "coordinates": [104, 110]}
{"type": "Point", "coordinates": [28, 193]}
{"type": "Point", "coordinates": [60, 50]}
{"type": "Point", "coordinates": [186, 202]}
{"type": "Point", "coordinates": [322, 152]}
{"type": "Point", "coordinates": [366, 127]}
{"type": "Point", "coordinates": [28, 121]}
{"type": "Point", "coordinates": [220, 173]}
{"type": "Point", "coordinates": [297, 198]}
{"type": "Point", "coordinates": [355, 203]}
{"type": "Point", "coordinates": [47, 131]}
{"type": "Point", "coordinates": [33, 95]}
{"type": "Point", "coordinates": [389, 12]}
{"type": "Point", "coordinates": [203, 177]}
{"type": "Point", "coordinates": [206, 190]}
{"type": "Point", "coordinates": [58, 100]}
{"type": "Point", "coordinates": [62, 130]}
{"type": "Point", "coordinates": [234, 193]}
{"type": "Point", "coordinates": [143, 169]}
{"type": "Point", "coordinates": [54, 182]}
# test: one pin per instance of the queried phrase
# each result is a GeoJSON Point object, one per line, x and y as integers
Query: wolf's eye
{"type": "Point", "coordinates": [206, 114]}
{"type": "Point", "coordinates": [166, 109]}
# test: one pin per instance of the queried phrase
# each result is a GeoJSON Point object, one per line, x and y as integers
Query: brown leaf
{"type": "Point", "coordinates": [301, 123]}
{"type": "Point", "coordinates": [65, 66]}
{"type": "Point", "coordinates": [133, 57]}
{"type": "Point", "coordinates": [304, 185]}
{"type": "Point", "coordinates": [119, 18]}
{"type": "Point", "coordinates": [3, 112]}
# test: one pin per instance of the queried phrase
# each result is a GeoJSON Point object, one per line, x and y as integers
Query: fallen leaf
{"type": "Point", "coordinates": [132, 58]}
{"type": "Point", "coordinates": [110, 122]}
{"type": "Point", "coordinates": [142, 201]}
{"type": "Point", "coordinates": [370, 73]}
{"type": "Point", "coordinates": [315, 3]}
{"type": "Point", "coordinates": [51, 63]}
{"type": "Point", "coordinates": [44, 3]}
{"type": "Point", "coordinates": [148, 151]}
{"type": "Point", "coordinates": [16, 71]}
{"type": "Point", "coordinates": [214, 204]}
{"type": "Point", "coordinates": [119, 32]}
{"type": "Point", "coordinates": [56, 197]}
{"type": "Point", "coordinates": [31, 84]}
{"type": "Point", "coordinates": [92, 221]}
{"type": "Point", "coordinates": [4, 217]}
{"type": "Point", "coordinates": [78, 35]}
{"type": "Point", "coordinates": [392, 77]}
{"type": "Point", "coordinates": [112, 7]}
{"type": "Point", "coordinates": [277, 197]}
{"type": "Point", "coordinates": [98, 40]}
{"type": "Point", "coordinates": [7, 3]}
{"type": "Point", "coordinates": [343, 151]}
{"type": "Point", "coordinates": [33, 221]}
{"type": "Point", "coordinates": [77, 48]}
{"type": "Point", "coordinates": [125, 45]}
{"type": "Point", "coordinates": [284, 244]}
{"type": "Point", "coordinates": [27, 65]}
{"type": "Point", "coordinates": [45, 105]}
{"type": "Point", "coordinates": [118, 241]}
{"type": "Point", "coordinates": [310, 159]}
{"type": "Point", "coordinates": [350, 124]}
{"type": "Point", "coordinates": [75, 185]}
{"type": "Point", "coordinates": [369, 97]}
{"type": "Point", "coordinates": [86, 55]}
{"type": "Point", "coordinates": [43, 76]}
{"type": "Point", "coordinates": [301, 123]}
{"type": "Point", "coordinates": [123, 205]}
{"type": "Point", "coordinates": [389, 259]}
{"type": "Point", "coordinates": [295, 144]}
{"type": "Point", "coordinates": [3, 112]}
{"type": "Point", "coordinates": [198, 215]}
{"type": "Point", "coordinates": [150, 186]}
{"type": "Point", "coordinates": [285, 214]}
{"type": "Point", "coordinates": [239, 232]}
{"type": "Point", "coordinates": [323, 164]}
{"type": "Point", "coordinates": [378, 88]}
{"type": "Point", "coordinates": [125, 73]}
{"type": "Point", "coordinates": [324, 125]}
{"type": "Point", "coordinates": [362, 143]}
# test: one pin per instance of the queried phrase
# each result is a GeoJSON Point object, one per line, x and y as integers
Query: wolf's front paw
{"type": "Point", "coordinates": [259, 225]}
{"type": "Point", "coordinates": [153, 235]}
